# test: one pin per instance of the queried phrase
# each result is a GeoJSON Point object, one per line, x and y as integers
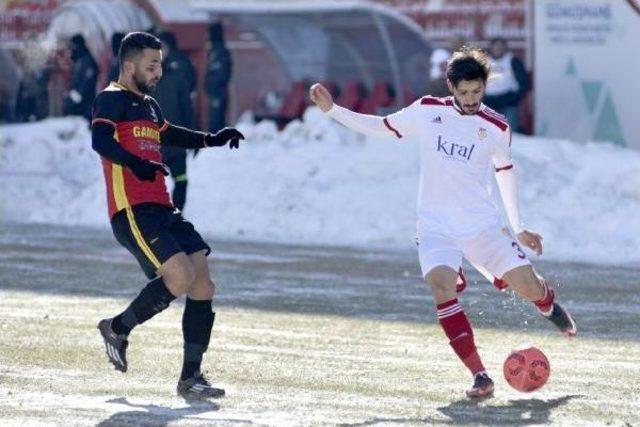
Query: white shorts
{"type": "Point", "coordinates": [493, 249]}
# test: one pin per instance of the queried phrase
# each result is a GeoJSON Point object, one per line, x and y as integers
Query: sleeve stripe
{"type": "Point", "coordinates": [504, 168]}
{"type": "Point", "coordinates": [99, 120]}
{"type": "Point", "coordinates": [391, 128]}
{"type": "Point", "coordinates": [164, 126]}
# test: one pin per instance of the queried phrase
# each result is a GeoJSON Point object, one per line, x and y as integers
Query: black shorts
{"type": "Point", "coordinates": [153, 233]}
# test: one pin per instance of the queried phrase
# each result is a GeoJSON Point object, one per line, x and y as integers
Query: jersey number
{"type": "Point", "coordinates": [521, 254]}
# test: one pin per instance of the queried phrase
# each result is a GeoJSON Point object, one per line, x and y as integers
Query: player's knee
{"type": "Point", "coordinates": [183, 279]}
{"type": "Point", "coordinates": [526, 281]}
{"type": "Point", "coordinates": [441, 279]}
{"type": "Point", "coordinates": [202, 289]}
{"type": "Point", "coordinates": [210, 289]}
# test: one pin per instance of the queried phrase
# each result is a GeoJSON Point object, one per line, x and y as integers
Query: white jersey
{"type": "Point", "coordinates": [457, 154]}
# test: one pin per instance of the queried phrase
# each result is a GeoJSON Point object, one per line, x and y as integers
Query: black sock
{"type": "Point", "coordinates": [197, 322]}
{"type": "Point", "coordinates": [154, 298]}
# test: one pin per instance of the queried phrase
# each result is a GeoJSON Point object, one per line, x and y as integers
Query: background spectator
{"type": "Point", "coordinates": [509, 84]}
{"type": "Point", "coordinates": [437, 77]}
{"type": "Point", "coordinates": [114, 70]}
{"type": "Point", "coordinates": [8, 86]}
{"type": "Point", "coordinates": [84, 78]}
{"type": "Point", "coordinates": [173, 93]}
{"type": "Point", "coordinates": [219, 67]}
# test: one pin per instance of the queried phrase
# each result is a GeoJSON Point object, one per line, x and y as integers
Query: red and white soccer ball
{"type": "Point", "coordinates": [527, 370]}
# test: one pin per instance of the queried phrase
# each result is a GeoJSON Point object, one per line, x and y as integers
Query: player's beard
{"type": "Point", "coordinates": [145, 87]}
{"type": "Point", "coordinates": [465, 107]}
{"type": "Point", "coordinates": [471, 109]}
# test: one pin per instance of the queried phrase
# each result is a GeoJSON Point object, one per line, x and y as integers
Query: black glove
{"type": "Point", "coordinates": [224, 135]}
{"type": "Point", "coordinates": [145, 170]}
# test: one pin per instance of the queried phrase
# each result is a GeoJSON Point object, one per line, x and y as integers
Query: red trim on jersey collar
{"type": "Point", "coordinates": [494, 118]}
{"type": "Point", "coordinates": [447, 101]}
{"type": "Point", "coordinates": [486, 113]}
{"type": "Point", "coordinates": [432, 100]}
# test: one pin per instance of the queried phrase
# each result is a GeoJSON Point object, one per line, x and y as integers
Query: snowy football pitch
{"type": "Point", "coordinates": [303, 336]}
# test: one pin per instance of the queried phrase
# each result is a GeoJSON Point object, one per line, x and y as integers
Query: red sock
{"type": "Point", "coordinates": [458, 330]}
{"type": "Point", "coordinates": [500, 284]}
{"type": "Point", "coordinates": [545, 304]}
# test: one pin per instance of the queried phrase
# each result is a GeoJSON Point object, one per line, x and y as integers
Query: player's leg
{"type": "Point", "coordinates": [198, 317]}
{"type": "Point", "coordinates": [503, 258]}
{"type": "Point", "coordinates": [440, 260]}
{"type": "Point", "coordinates": [143, 230]}
{"type": "Point", "coordinates": [532, 287]}
{"type": "Point", "coordinates": [174, 277]}
{"type": "Point", "coordinates": [197, 323]}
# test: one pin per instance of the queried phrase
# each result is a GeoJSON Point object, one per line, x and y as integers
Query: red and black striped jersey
{"type": "Point", "coordinates": [137, 121]}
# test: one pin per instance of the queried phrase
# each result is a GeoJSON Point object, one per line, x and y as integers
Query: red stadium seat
{"type": "Point", "coordinates": [331, 87]}
{"type": "Point", "coordinates": [294, 102]}
{"type": "Point", "coordinates": [409, 95]}
{"type": "Point", "coordinates": [351, 95]}
{"type": "Point", "coordinates": [380, 97]}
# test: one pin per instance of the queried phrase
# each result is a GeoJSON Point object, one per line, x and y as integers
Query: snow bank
{"type": "Point", "coordinates": [318, 183]}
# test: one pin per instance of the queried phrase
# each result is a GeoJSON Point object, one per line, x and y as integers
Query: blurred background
{"type": "Point", "coordinates": [565, 66]}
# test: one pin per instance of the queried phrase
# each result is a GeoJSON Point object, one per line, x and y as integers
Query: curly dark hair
{"type": "Point", "coordinates": [468, 63]}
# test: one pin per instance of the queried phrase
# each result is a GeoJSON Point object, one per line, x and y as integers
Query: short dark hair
{"type": "Point", "coordinates": [134, 43]}
{"type": "Point", "coordinates": [116, 39]}
{"type": "Point", "coordinates": [468, 63]}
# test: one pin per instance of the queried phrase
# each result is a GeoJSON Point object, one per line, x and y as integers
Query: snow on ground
{"type": "Point", "coordinates": [318, 183]}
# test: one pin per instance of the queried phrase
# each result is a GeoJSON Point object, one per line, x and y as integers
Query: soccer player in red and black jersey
{"type": "Point", "coordinates": [127, 131]}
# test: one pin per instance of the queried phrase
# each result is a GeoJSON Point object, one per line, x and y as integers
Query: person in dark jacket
{"type": "Point", "coordinates": [173, 93]}
{"type": "Point", "coordinates": [219, 67]}
{"type": "Point", "coordinates": [509, 84]}
{"type": "Point", "coordinates": [84, 77]}
{"type": "Point", "coordinates": [114, 71]}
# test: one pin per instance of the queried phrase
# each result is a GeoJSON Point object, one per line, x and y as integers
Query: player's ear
{"type": "Point", "coordinates": [450, 85]}
{"type": "Point", "coordinates": [128, 67]}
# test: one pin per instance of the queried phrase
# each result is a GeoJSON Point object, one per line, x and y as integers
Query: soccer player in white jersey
{"type": "Point", "coordinates": [461, 142]}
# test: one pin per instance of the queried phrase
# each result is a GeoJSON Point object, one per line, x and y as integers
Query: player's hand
{"type": "Point", "coordinates": [224, 135]}
{"type": "Point", "coordinates": [145, 170]}
{"type": "Point", "coordinates": [531, 240]}
{"type": "Point", "coordinates": [321, 97]}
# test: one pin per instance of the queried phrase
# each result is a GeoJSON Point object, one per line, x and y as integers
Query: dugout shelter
{"type": "Point", "coordinates": [370, 55]}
